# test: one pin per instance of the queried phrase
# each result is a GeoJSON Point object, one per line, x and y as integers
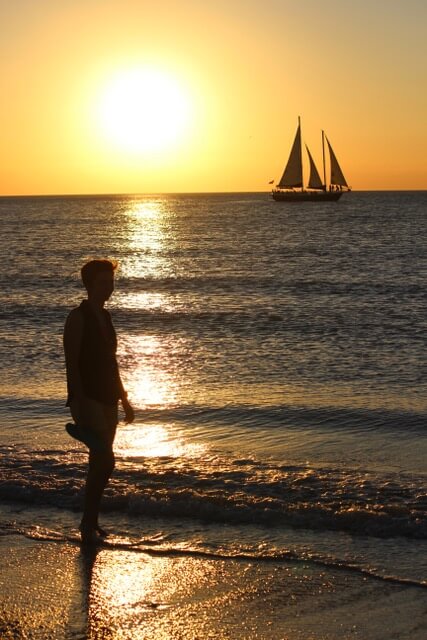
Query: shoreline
{"type": "Point", "coordinates": [63, 591]}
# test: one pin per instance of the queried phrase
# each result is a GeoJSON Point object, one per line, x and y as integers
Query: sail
{"type": "Point", "coordinates": [314, 181]}
{"type": "Point", "coordinates": [292, 175]}
{"type": "Point", "coordinates": [337, 176]}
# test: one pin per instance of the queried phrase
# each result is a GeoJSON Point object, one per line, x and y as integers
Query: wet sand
{"type": "Point", "coordinates": [52, 590]}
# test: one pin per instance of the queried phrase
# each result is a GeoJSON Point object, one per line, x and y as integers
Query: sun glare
{"type": "Point", "coordinates": [145, 110]}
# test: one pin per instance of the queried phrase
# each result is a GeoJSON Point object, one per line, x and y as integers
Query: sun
{"type": "Point", "coordinates": [145, 110]}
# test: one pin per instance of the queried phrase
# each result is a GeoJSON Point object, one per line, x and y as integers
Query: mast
{"type": "Point", "coordinates": [302, 171]}
{"type": "Point", "coordinates": [324, 165]}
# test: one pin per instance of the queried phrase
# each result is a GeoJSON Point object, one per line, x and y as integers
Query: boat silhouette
{"type": "Point", "coordinates": [291, 187]}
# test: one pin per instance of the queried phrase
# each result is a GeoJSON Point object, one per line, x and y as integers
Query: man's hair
{"type": "Point", "coordinates": [91, 269]}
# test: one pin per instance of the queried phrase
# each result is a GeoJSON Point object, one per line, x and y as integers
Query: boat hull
{"type": "Point", "coordinates": [306, 196]}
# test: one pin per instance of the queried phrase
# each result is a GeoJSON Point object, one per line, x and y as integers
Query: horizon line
{"type": "Point", "coordinates": [180, 193]}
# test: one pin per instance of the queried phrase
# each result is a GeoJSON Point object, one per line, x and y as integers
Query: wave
{"type": "Point", "coordinates": [235, 491]}
{"type": "Point", "coordinates": [222, 283]}
{"type": "Point", "coordinates": [280, 416]}
{"type": "Point", "coordinates": [288, 416]}
{"type": "Point", "coordinates": [160, 545]}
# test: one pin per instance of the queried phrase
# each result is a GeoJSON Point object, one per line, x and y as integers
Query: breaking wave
{"type": "Point", "coordinates": [235, 491]}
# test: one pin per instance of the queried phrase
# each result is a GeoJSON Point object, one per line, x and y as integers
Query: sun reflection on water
{"type": "Point", "coordinates": [149, 370]}
{"type": "Point", "coordinates": [150, 362]}
{"type": "Point", "coordinates": [146, 210]}
{"type": "Point", "coordinates": [144, 300]}
{"type": "Point", "coordinates": [146, 235]}
{"type": "Point", "coordinates": [155, 441]}
{"type": "Point", "coordinates": [137, 598]}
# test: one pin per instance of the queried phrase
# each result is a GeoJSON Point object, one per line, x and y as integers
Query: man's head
{"type": "Point", "coordinates": [98, 277]}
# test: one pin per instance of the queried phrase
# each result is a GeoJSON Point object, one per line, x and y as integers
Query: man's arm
{"type": "Point", "coordinates": [127, 407]}
{"type": "Point", "coordinates": [73, 332]}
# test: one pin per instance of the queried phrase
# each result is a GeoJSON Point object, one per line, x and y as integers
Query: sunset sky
{"type": "Point", "coordinates": [136, 96]}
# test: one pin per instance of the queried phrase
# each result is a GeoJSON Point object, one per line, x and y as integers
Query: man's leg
{"type": "Point", "coordinates": [101, 466]}
{"type": "Point", "coordinates": [102, 420]}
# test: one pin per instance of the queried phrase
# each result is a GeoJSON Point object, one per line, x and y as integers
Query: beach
{"type": "Point", "coordinates": [55, 589]}
{"type": "Point", "coordinates": [273, 482]}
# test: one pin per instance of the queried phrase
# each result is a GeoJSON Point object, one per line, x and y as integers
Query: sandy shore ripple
{"type": "Point", "coordinates": [58, 591]}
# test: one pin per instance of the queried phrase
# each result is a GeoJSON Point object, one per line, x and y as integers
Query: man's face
{"type": "Point", "coordinates": [103, 285]}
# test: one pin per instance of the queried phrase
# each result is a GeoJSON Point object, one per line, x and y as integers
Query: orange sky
{"type": "Point", "coordinates": [245, 70]}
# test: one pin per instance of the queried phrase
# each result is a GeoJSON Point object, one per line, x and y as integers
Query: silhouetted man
{"type": "Point", "coordinates": [94, 386]}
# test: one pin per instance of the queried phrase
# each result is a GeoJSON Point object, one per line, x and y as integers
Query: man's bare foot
{"type": "Point", "coordinates": [89, 535]}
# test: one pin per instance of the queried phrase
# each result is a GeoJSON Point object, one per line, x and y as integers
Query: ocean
{"type": "Point", "coordinates": [276, 358]}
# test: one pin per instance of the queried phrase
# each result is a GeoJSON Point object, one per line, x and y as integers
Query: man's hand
{"type": "Point", "coordinates": [129, 412]}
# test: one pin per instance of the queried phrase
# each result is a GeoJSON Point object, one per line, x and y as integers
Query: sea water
{"type": "Point", "coordinates": [275, 356]}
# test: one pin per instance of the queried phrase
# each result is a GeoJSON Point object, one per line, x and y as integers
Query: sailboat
{"type": "Point", "coordinates": [291, 186]}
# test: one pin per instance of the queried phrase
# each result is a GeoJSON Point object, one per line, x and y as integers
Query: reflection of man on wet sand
{"type": "Point", "coordinates": [94, 386]}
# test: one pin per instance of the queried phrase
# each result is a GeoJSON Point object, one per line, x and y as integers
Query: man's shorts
{"type": "Point", "coordinates": [100, 420]}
